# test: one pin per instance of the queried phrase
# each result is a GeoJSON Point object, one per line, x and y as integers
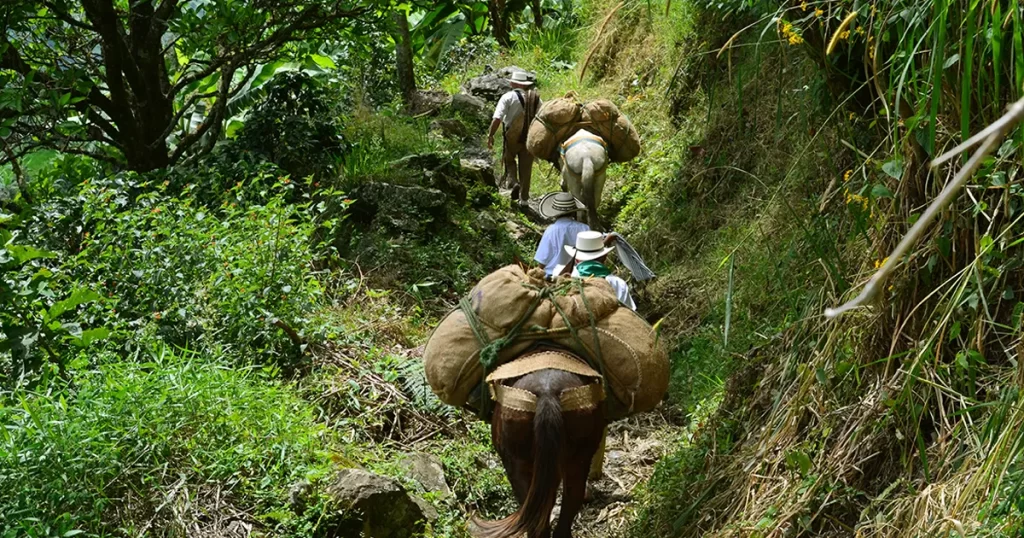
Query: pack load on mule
{"type": "Point", "coordinates": [510, 312]}
{"type": "Point", "coordinates": [559, 118]}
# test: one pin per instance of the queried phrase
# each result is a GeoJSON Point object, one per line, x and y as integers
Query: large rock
{"type": "Point", "coordinates": [472, 108]}
{"type": "Point", "coordinates": [451, 129]}
{"type": "Point", "coordinates": [490, 86]}
{"type": "Point", "coordinates": [378, 506]}
{"type": "Point", "coordinates": [426, 102]}
{"type": "Point", "coordinates": [404, 207]}
{"type": "Point", "coordinates": [467, 178]}
{"type": "Point", "coordinates": [427, 470]}
{"type": "Point", "coordinates": [478, 164]}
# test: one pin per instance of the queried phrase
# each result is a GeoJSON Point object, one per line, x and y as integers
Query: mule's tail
{"type": "Point", "coordinates": [535, 513]}
{"type": "Point", "coordinates": [587, 177]}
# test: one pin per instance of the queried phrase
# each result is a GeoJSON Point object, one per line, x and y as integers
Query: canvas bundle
{"type": "Point", "coordinates": [559, 118]}
{"type": "Point", "coordinates": [609, 336]}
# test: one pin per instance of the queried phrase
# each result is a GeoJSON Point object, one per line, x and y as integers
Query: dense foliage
{"type": "Point", "coordinates": [143, 82]}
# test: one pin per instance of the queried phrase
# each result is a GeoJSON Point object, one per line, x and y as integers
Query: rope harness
{"type": "Point", "coordinates": [490, 349]}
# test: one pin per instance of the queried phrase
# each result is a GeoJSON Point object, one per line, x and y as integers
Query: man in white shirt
{"type": "Point", "coordinates": [515, 112]}
{"type": "Point", "coordinates": [562, 207]}
{"type": "Point", "coordinates": [589, 254]}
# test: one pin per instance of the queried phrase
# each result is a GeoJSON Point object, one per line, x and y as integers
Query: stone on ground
{"type": "Point", "coordinates": [427, 470]}
{"type": "Point", "coordinates": [378, 507]}
{"type": "Point", "coordinates": [472, 108]}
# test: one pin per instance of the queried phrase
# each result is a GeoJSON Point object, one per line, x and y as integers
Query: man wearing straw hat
{"type": "Point", "coordinates": [514, 113]}
{"type": "Point", "coordinates": [563, 207]}
{"type": "Point", "coordinates": [589, 254]}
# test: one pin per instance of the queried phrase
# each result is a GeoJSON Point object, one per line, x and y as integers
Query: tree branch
{"type": "Point", "coordinates": [66, 17]}
{"type": "Point", "coordinates": [213, 119]}
{"type": "Point", "coordinates": [19, 175]}
{"type": "Point", "coordinates": [278, 37]}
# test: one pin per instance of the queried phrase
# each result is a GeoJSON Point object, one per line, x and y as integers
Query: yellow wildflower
{"type": "Point", "coordinates": [819, 12]}
{"type": "Point", "coordinates": [846, 176]}
{"type": "Point", "coordinates": [856, 198]}
{"type": "Point", "coordinates": [880, 263]}
{"type": "Point", "coordinates": [852, 116]}
{"type": "Point", "coordinates": [844, 35]}
{"type": "Point", "coordinates": [788, 34]}
{"type": "Point", "coordinates": [803, 6]}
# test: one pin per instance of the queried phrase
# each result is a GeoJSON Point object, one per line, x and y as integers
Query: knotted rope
{"type": "Point", "coordinates": [491, 349]}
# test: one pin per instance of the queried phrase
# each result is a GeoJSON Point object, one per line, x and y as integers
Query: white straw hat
{"type": "Point", "coordinates": [589, 246]}
{"type": "Point", "coordinates": [556, 204]}
{"type": "Point", "coordinates": [521, 78]}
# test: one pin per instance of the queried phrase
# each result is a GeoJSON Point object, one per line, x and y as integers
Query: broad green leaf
{"type": "Point", "coordinates": [893, 168]}
{"type": "Point", "coordinates": [986, 243]}
{"type": "Point", "coordinates": [323, 61]}
{"type": "Point", "coordinates": [24, 254]}
{"type": "Point", "coordinates": [799, 461]}
{"type": "Point", "coordinates": [954, 331]}
{"type": "Point", "coordinates": [92, 335]}
{"type": "Point", "coordinates": [78, 297]}
{"type": "Point", "coordinates": [880, 191]}
{"type": "Point", "coordinates": [819, 374]}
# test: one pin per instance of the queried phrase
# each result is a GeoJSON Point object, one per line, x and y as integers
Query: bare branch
{"type": "Point", "coordinates": [996, 132]}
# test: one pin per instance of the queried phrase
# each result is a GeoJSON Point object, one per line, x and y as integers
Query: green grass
{"type": "Point", "coordinates": [126, 445]}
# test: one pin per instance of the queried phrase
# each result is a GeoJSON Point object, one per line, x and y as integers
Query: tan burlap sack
{"type": "Point", "coordinates": [554, 122]}
{"type": "Point", "coordinates": [636, 366]}
{"type": "Point", "coordinates": [603, 118]}
{"type": "Point", "coordinates": [635, 362]}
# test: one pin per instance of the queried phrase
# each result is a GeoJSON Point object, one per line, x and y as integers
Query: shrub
{"type": "Point", "coordinates": [296, 126]}
{"type": "Point", "coordinates": [124, 445]}
{"type": "Point", "coordinates": [38, 322]}
{"type": "Point", "coordinates": [241, 277]}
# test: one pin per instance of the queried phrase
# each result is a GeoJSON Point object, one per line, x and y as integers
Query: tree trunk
{"type": "Point", "coordinates": [403, 57]}
{"type": "Point", "coordinates": [496, 9]}
{"type": "Point", "coordinates": [538, 15]}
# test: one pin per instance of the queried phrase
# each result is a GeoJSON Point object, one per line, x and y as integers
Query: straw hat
{"type": "Point", "coordinates": [556, 204]}
{"type": "Point", "coordinates": [521, 78]}
{"type": "Point", "coordinates": [589, 246]}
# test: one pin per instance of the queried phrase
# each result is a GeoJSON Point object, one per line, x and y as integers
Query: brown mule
{"type": "Point", "coordinates": [542, 448]}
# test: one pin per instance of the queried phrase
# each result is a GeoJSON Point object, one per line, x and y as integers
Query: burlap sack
{"type": "Point", "coordinates": [556, 120]}
{"type": "Point", "coordinates": [635, 364]}
{"type": "Point", "coordinates": [603, 118]}
{"type": "Point", "coordinates": [452, 353]}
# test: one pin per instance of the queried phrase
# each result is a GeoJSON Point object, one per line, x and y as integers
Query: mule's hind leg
{"type": "Point", "coordinates": [586, 431]}
{"type": "Point", "coordinates": [512, 435]}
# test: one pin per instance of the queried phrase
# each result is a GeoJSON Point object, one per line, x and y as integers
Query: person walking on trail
{"type": "Point", "coordinates": [514, 112]}
{"type": "Point", "coordinates": [563, 207]}
{"type": "Point", "coordinates": [588, 255]}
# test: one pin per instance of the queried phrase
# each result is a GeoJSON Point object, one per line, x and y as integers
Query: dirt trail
{"type": "Point", "coordinates": [633, 447]}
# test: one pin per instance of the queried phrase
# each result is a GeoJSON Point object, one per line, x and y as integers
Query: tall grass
{"type": "Point", "coordinates": [901, 420]}
{"type": "Point", "coordinates": [146, 447]}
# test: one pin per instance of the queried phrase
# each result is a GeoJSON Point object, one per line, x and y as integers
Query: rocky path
{"type": "Point", "coordinates": [633, 447]}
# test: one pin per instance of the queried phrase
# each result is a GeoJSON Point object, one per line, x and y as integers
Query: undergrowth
{"type": "Point", "coordinates": [808, 164]}
{"type": "Point", "coordinates": [134, 446]}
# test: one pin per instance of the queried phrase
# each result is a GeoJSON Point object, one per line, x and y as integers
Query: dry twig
{"type": "Point", "coordinates": [989, 138]}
